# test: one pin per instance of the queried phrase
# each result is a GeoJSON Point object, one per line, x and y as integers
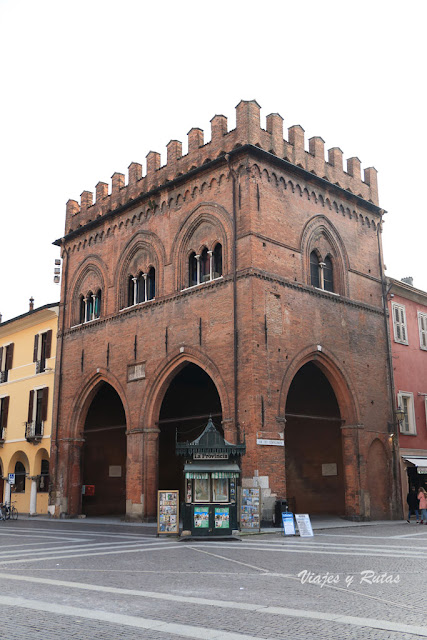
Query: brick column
{"type": "Point", "coordinates": [354, 505]}
{"type": "Point", "coordinates": [151, 470]}
{"type": "Point", "coordinates": [134, 476]}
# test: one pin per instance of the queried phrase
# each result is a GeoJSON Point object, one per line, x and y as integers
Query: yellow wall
{"type": "Point", "coordinates": [22, 378]}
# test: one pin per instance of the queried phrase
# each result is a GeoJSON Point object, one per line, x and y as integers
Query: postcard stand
{"type": "Point", "coordinates": [167, 512]}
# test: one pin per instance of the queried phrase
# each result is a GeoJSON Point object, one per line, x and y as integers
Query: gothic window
{"type": "Point", "coordinates": [314, 270]}
{"type": "Point", "coordinates": [151, 284]}
{"type": "Point", "coordinates": [328, 281]}
{"type": "Point", "coordinates": [90, 306]}
{"type": "Point", "coordinates": [131, 291]}
{"type": "Point", "coordinates": [205, 267]}
{"type": "Point", "coordinates": [217, 261]}
{"type": "Point", "coordinates": [192, 270]}
{"type": "Point", "coordinates": [142, 288]}
{"type": "Point", "coordinates": [321, 272]}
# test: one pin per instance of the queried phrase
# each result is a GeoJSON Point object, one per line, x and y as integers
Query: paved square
{"type": "Point", "coordinates": [63, 579]}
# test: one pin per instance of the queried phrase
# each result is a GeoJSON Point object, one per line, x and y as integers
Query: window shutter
{"type": "Point", "coordinates": [30, 406]}
{"type": "Point", "coordinates": [48, 343]}
{"type": "Point", "coordinates": [36, 347]}
{"type": "Point", "coordinates": [4, 412]}
{"type": "Point", "coordinates": [44, 403]}
{"type": "Point", "coordinates": [1, 356]}
{"type": "Point", "coordinates": [9, 356]}
{"type": "Point", "coordinates": [402, 316]}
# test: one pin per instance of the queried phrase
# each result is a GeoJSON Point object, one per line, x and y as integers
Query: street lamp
{"type": "Point", "coordinates": [400, 415]}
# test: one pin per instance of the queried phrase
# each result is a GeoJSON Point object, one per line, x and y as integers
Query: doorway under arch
{"type": "Point", "coordinates": [187, 404]}
{"type": "Point", "coordinates": [104, 455]}
{"type": "Point", "coordinates": [313, 447]}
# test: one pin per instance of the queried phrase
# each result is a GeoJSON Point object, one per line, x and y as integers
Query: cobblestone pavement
{"type": "Point", "coordinates": [62, 580]}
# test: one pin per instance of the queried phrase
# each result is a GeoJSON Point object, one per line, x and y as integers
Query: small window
{"type": "Point", "coordinates": [314, 270]}
{"type": "Point", "coordinates": [192, 270]}
{"type": "Point", "coordinates": [42, 350]}
{"type": "Point", "coordinates": [131, 291]}
{"type": "Point", "coordinates": [406, 403]}
{"type": "Point", "coordinates": [4, 411]}
{"type": "Point", "coordinates": [422, 324]}
{"type": "Point", "coordinates": [6, 361]}
{"type": "Point", "coordinates": [399, 323]}
{"type": "Point", "coordinates": [151, 284]}
{"type": "Point", "coordinates": [19, 478]}
{"type": "Point", "coordinates": [217, 261]}
{"type": "Point", "coordinates": [328, 280]}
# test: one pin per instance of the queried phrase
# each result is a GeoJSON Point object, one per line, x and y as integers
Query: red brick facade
{"type": "Point", "coordinates": [273, 207]}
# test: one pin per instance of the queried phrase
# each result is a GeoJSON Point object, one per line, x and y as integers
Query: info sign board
{"type": "Point", "coordinates": [304, 525]}
{"type": "Point", "coordinates": [11, 478]}
{"type": "Point", "coordinates": [250, 508]}
{"type": "Point", "coordinates": [288, 523]}
{"type": "Point", "coordinates": [168, 512]}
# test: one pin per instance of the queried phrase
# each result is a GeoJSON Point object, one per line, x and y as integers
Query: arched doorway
{"type": "Point", "coordinates": [313, 448]}
{"type": "Point", "coordinates": [187, 404]}
{"type": "Point", "coordinates": [104, 455]}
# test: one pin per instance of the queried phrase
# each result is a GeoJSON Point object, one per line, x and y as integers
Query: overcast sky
{"type": "Point", "coordinates": [87, 87]}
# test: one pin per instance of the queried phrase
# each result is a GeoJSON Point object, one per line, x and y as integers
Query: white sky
{"type": "Point", "coordinates": [89, 86]}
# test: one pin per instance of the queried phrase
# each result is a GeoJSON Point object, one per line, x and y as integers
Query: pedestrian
{"type": "Point", "coordinates": [422, 497]}
{"type": "Point", "coordinates": [413, 505]}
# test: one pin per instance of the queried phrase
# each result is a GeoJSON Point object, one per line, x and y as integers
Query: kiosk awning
{"type": "Point", "coordinates": [202, 470]}
{"type": "Point", "coordinates": [418, 462]}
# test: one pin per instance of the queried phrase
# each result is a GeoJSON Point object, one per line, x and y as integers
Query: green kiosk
{"type": "Point", "coordinates": [211, 474]}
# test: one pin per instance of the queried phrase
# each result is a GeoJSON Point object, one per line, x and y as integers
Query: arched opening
{"type": "Point", "coordinates": [217, 261]}
{"type": "Point", "coordinates": [328, 275]}
{"type": "Point", "coordinates": [188, 402]}
{"type": "Point", "coordinates": [104, 455]}
{"type": "Point", "coordinates": [192, 270]}
{"type": "Point", "coordinates": [313, 449]}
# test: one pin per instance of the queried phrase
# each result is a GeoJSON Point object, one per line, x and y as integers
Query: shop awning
{"type": "Point", "coordinates": [213, 468]}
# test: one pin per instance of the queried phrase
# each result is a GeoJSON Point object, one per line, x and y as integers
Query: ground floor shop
{"type": "Point", "coordinates": [25, 477]}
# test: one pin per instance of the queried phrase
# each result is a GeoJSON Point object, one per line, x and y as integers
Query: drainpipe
{"type": "Point", "coordinates": [235, 328]}
{"type": "Point", "coordinates": [395, 438]}
{"type": "Point", "coordinates": [58, 400]}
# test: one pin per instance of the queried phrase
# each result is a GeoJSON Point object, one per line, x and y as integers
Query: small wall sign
{"type": "Point", "coordinates": [271, 443]}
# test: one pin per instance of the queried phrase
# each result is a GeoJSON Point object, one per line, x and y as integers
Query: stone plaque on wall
{"type": "Point", "coordinates": [329, 469]}
{"type": "Point", "coordinates": [136, 371]}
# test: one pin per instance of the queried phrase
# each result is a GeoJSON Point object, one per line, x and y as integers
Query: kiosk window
{"type": "Point", "coordinates": [220, 489]}
{"type": "Point", "coordinates": [201, 490]}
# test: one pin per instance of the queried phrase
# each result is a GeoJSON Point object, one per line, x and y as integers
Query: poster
{"type": "Point", "coordinates": [288, 524]}
{"type": "Point", "coordinates": [222, 518]}
{"type": "Point", "coordinates": [201, 517]}
{"type": "Point", "coordinates": [168, 512]}
{"type": "Point", "coordinates": [250, 508]}
{"type": "Point", "coordinates": [304, 525]}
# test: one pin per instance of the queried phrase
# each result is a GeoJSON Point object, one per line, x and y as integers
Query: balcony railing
{"type": "Point", "coordinates": [40, 366]}
{"type": "Point", "coordinates": [33, 431]}
{"type": "Point", "coordinates": [3, 376]}
{"type": "Point", "coordinates": [2, 436]}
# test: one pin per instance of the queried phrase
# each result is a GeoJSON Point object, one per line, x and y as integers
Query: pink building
{"type": "Point", "coordinates": [408, 327]}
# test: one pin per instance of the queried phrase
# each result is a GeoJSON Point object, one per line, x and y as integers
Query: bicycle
{"type": "Point", "coordinates": [8, 511]}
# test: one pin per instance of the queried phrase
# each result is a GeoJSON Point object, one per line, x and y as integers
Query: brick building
{"type": "Point", "coordinates": [408, 329]}
{"type": "Point", "coordinates": [241, 280]}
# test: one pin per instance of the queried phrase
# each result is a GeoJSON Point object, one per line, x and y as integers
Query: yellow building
{"type": "Point", "coordinates": [27, 367]}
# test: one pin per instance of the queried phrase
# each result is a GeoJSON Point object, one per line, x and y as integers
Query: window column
{"type": "Point", "coordinates": [135, 288]}
{"type": "Point", "coordinates": [210, 265]}
{"type": "Point", "coordinates": [144, 275]}
{"type": "Point", "coordinates": [322, 275]}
